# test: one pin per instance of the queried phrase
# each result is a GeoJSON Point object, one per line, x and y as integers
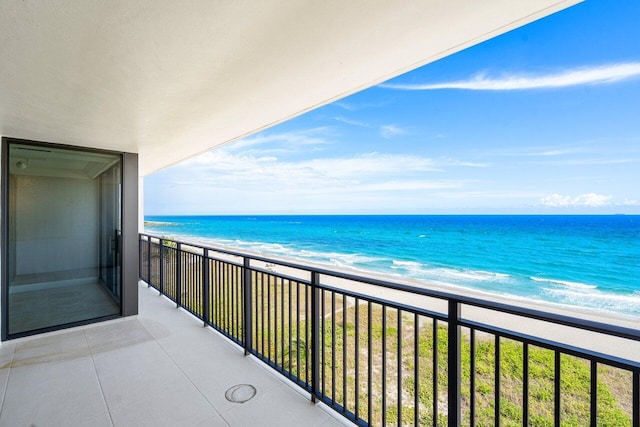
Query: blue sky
{"type": "Point", "coordinates": [544, 119]}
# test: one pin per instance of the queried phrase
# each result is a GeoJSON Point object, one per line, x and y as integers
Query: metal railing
{"type": "Point", "coordinates": [382, 353]}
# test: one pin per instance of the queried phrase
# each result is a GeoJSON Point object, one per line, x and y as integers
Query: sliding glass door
{"type": "Point", "coordinates": [110, 230]}
{"type": "Point", "coordinates": [63, 226]}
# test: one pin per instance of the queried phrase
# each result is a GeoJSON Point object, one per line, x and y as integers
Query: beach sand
{"type": "Point", "coordinates": [605, 344]}
{"type": "Point", "coordinates": [579, 338]}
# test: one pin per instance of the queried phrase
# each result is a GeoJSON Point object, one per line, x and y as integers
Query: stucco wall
{"type": "Point", "coordinates": [56, 224]}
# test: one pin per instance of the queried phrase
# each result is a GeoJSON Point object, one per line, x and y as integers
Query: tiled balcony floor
{"type": "Point", "coordinates": [159, 369]}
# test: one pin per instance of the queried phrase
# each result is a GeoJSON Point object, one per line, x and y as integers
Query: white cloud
{"type": "Point", "coordinates": [345, 106]}
{"type": "Point", "coordinates": [592, 199]}
{"type": "Point", "coordinates": [356, 175]}
{"type": "Point", "coordinates": [412, 185]}
{"type": "Point", "coordinates": [593, 75]}
{"type": "Point", "coordinates": [588, 200]}
{"type": "Point", "coordinates": [360, 106]}
{"type": "Point", "coordinates": [629, 202]}
{"type": "Point", "coordinates": [389, 131]}
{"type": "Point", "coordinates": [293, 140]}
{"type": "Point", "coordinates": [371, 164]}
{"type": "Point", "coordinates": [484, 195]}
{"type": "Point", "coordinates": [554, 153]}
{"type": "Point", "coordinates": [351, 122]}
{"type": "Point", "coordinates": [590, 162]}
{"type": "Point", "coordinates": [455, 162]}
{"type": "Point", "coordinates": [548, 151]}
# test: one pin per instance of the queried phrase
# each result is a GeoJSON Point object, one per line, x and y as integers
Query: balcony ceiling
{"type": "Point", "coordinates": [170, 79]}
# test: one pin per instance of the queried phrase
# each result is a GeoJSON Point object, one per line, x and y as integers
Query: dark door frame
{"type": "Point", "coordinates": [129, 195]}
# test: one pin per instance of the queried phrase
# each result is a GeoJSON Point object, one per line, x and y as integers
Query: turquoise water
{"type": "Point", "coordinates": [586, 261]}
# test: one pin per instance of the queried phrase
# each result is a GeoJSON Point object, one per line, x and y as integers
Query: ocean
{"type": "Point", "coordinates": [585, 261]}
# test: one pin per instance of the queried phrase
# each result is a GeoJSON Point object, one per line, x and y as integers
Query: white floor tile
{"type": "Point", "coordinates": [161, 368]}
{"type": "Point", "coordinates": [59, 392]}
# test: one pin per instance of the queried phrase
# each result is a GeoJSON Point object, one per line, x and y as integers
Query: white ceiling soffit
{"type": "Point", "coordinates": [170, 79]}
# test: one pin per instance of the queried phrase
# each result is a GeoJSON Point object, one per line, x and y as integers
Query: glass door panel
{"type": "Point", "coordinates": [63, 252]}
{"type": "Point", "coordinates": [110, 235]}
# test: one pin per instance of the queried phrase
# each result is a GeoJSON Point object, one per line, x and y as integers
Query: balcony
{"type": "Point", "coordinates": [159, 369]}
{"type": "Point", "coordinates": [381, 353]}
{"type": "Point", "coordinates": [359, 356]}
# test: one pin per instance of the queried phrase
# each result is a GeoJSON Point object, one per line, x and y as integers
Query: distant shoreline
{"type": "Point", "coordinates": [380, 215]}
{"type": "Point", "coordinates": [580, 338]}
{"type": "Point", "coordinates": [625, 320]}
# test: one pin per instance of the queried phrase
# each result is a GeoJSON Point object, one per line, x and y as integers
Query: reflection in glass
{"type": "Point", "coordinates": [64, 218]}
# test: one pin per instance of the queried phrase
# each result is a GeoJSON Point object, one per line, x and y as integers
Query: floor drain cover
{"type": "Point", "coordinates": [240, 393]}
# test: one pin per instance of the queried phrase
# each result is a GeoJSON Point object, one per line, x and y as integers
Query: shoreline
{"type": "Point", "coordinates": [626, 349]}
{"type": "Point", "coordinates": [576, 337]}
{"type": "Point", "coordinates": [621, 319]}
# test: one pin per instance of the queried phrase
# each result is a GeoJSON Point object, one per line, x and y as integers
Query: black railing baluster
{"type": "Point", "coordinates": [496, 389]}
{"type": "Point", "coordinates": [307, 331]}
{"type": "Point", "coordinates": [256, 310]}
{"type": "Point", "coordinates": [357, 358]}
{"type": "Point", "coordinates": [276, 327]}
{"type": "Point", "coordinates": [140, 258]}
{"type": "Point", "coordinates": [214, 278]}
{"type": "Point", "coordinates": [226, 281]}
{"type": "Point", "coordinates": [228, 277]}
{"type": "Point", "coordinates": [262, 314]}
{"type": "Point", "coordinates": [161, 290]}
{"type": "Point", "coordinates": [525, 381]}
{"type": "Point", "coordinates": [282, 350]}
{"type": "Point", "coordinates": [369, 363]}
{"type": "Point", "coordinates": [222, 296]}
{"type": "Point", "coordinates": [221, 285]}
{"type": "Point", "coordinates": [240, 303]}
{"type": "Point", "coordinates": [297, 330]}
{"type": "Point", "coordinates": [416, 369]}
{"type": "Point", "coordinates": [187, 285]}
{"type": "Point", "coordinates": [149, 260]}
{"type": "Point", "coordinates": [237, 303]}
{"type": "Point", "coordinates": [232, 301]}
{"type": "Point", "coordinates": [217, 299]}
{"type": "Point", "coordinates": [384, 365]}
{"type": "Point", "coordinates": [472, 377]}
{"type": "Point", "coordinates": [269, 316]}
{"type": "Point", "coordinates": [192, 302]}
{"type": "Point", "coordinates": [454, 364]}
{"type": "Point", "coordinates": [557, 389]}
{"type": "Point", "coordinates": [399, 380]}
{"type": "Point", "coordinates": [205, 287]}
{"type": "Point", "coordinates": [344, 354]}
{"type": "Point", "coordinates": [324, 331]}
{"type": "Point", "coordinates": [333, 347]}
{"type": "Point", "coordinates": [248, 298]}
{"type": "Point", "coordinates": [435, 372]}
{"type": "Point", "coordinates": [593, 401]}
{"type": "Point", "coordinates": [178, 269]}
{"type": "Point", "coordinates": [290, 370]}
{"type": "Point", "coordinates": [636, 397]}
{"type": "Point", "coordinates": [315, 335]}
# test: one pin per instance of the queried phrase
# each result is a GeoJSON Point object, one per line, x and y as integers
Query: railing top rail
{"type": "Point", "coordinates": [551, 344]}
{"type": "Point", "coordinates": [569, 321]}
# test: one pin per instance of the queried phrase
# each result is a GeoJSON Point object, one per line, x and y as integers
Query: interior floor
{"type": "Point", "coordinates": [42, 305]}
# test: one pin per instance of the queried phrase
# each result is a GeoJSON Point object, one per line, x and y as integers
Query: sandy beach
{"type": "Point", "coordinates": [601, 343]}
